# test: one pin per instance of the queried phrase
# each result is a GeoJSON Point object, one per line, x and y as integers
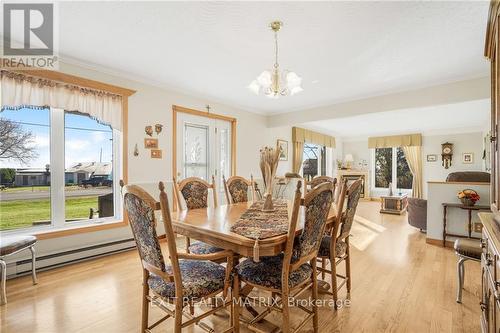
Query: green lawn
{"type": "Point", "coordinates": [22, 213]}
{"type": "Point", "coordinates": [36, 189]}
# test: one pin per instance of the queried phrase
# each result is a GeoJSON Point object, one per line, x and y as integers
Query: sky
{"type": "Point", "coordinates": [84, 138]}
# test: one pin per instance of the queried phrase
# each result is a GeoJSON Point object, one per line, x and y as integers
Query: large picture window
{"type": "Point", "coordinates": [46, 150]}
{"type": "Point", "coordinates": [390, 166]}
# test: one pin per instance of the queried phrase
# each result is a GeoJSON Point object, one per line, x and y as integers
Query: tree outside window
{"type": "Point", "coordinates": [391, 167]}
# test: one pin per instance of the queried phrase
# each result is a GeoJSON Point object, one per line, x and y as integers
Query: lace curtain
{"type": "Point", "coordinates": [19, 90]}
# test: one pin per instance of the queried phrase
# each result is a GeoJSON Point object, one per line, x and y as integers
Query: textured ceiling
{"type": "Point", "coordinates": [343, 50]}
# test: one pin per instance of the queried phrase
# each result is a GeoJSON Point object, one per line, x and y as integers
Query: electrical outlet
{"type": "Point", "coordinates": [478, 227]}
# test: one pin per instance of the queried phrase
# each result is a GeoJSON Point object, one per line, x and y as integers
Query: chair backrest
{"type": "Point", "coordinates": [194, 190]}
{"type": "Point", "coordinates": [236, 189]}
{"type": "Point", "coordinates": [140, 207]}
{"type": "Point", "coordinates": [469, 176]}
{"type": "Point", "coordinates": [170, 236]}
{"type": "Point", "coordinates": [347, 217]}
{"type": "Point", "coordinates": [305, 246]}
{"type": "Point", "coordinates": [320, 180]}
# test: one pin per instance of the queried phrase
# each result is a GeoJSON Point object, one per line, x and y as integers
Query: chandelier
{"type": "Point", "coordinates": [274, 83]}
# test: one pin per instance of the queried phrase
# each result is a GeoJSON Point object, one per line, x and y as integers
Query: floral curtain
{"type": "Point", "coordinates": [19, 90]}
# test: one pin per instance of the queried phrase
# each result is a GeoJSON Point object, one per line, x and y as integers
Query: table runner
{"type": "Point", "coordinates": [256, 224]}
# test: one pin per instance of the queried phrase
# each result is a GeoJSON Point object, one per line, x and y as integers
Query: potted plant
{"type": "Point", "coordinates": [468, 197]}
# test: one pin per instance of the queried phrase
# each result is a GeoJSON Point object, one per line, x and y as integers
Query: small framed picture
{"type": "Point", "coordinates": [283, 144]}
{"type": "Point", "coordinates": [432, 158]}
{"type": "Point", "coordinates": [156, 153]}
{"type": "Point", "coordinates": [468, 158]}
{"type": "Point", "coordinates": [150, 143]}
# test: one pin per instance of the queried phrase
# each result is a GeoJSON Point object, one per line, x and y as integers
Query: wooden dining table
{"type": "Point", "coordinates": [213, 226]}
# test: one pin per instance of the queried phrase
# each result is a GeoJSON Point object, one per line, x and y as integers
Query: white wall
{"type": "Point", "coordinates": [431, 144]}
{"type": "Point", "coordinates": [282, 133]}
{"type": "Point", "coordinates": [462, 143]}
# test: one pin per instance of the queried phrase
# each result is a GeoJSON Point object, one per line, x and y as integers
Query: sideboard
{"type": "Point", "coordinates": [490, 271]}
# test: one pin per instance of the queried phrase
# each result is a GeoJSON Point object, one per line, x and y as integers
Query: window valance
{"type": "Point", "coordinates": [304, 135]}
{"type": "Point", "coordinates": [18, 90]}
{"type": "Point", "coordinates": [395, 141]}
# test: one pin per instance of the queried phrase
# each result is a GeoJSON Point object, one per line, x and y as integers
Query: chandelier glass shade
{"type": "Point", "coordinates": [275, 83]}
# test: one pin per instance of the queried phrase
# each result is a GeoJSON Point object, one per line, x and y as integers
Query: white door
{"type": "Point", "coordinates": [203, 149]}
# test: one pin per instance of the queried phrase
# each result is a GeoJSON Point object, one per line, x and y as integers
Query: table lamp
{"type": "Point", "coordinates": [348, 161]}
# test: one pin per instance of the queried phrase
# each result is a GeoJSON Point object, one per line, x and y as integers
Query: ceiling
{"type": "Point", "coordinates": [443, 119]}
{"type": "Point", "coordinates": [343, 50]}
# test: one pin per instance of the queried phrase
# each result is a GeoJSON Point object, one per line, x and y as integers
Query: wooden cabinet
{"type": "Point", "coordinates": [490, 279]}
{"type": "Point", "coordinates": [491, 51]}
{"type": "Point", "coordinates": [490, 263]}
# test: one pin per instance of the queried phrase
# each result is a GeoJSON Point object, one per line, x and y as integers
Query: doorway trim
{"type": "Point", "coordinates": [176, 109]}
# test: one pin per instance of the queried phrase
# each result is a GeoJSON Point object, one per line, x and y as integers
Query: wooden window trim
{"type": "Point", "coordinates": [88, 83]}
{"type": "Point", "coordinates": [176, 109]}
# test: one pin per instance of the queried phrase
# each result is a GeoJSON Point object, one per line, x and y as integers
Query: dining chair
{"type": "Point", "coordinates": [335, 247]}
{"type": "Point", "coordinates": [289, 274]}
{"type": "Point", "coordinates": [236, 189]}
{"type": "Point", "coordinates": [194, 191]}
{"type": "Point", "coordinates": [320, 180]}
{"type": "Point", "coordinates": [187, 279]}
{"type": "Point", "coordinates": [312, 184]}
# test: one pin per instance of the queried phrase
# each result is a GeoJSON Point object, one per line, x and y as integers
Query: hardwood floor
{"type": "Point", "coordinates": [400, 284]}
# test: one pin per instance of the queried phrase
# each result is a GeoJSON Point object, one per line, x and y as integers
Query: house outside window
{"type": "Point", "coordinates": [57, 150]}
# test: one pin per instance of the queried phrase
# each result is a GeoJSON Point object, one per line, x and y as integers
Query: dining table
{"type": "Point", "coordinates": [213, 226]}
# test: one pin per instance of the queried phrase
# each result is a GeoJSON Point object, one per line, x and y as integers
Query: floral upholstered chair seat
{"type": "Point", "coordinates": [267, 272]}
{"type": "Point", "coordinates": [199, 279]}
{"type": "Point", "coordinates": [324, 249]}
{"type": "Point", "coordinates": [199, 247]}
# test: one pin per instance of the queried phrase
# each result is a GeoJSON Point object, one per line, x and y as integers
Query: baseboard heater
{"type": "Point", "coordinates": [43, 263]}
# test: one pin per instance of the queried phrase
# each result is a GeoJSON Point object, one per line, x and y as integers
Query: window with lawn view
{"type": "Point", "coordinates": [43, 150]}
{"type": "Point", "coordinates": [391, 167]}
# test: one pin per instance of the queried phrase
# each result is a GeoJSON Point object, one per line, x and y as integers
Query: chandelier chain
{"type": "Point", "coordinates": [276, 65]}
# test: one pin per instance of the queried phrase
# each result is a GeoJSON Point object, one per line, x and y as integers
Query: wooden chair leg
{"type": "Point", "coordinates": [191, 307]}
{"type": "Point", "coordinates": [286, 313]}
{"type": "Point", "coordinates": [236, 303]}
{"type": "Point", "coordinates": [179, 305]}
{"type": "Point", "coordinates": [323, 266]}
{"type": "Point", "coordinates": [145, 302]}
{"type": "Point", "coordinates": [333, 273]}
{"type": "Point", "coordinates": [348, 268]}
{"type": "Point", "coordinates": [188, 244]}
{"type": "Point", "coordinates": [315, 294]}
{"type": "Point", "coordinates": [231, 310]}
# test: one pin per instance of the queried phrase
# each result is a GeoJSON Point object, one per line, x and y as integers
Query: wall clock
{"type": "Point", "coordinates": [446, 154]}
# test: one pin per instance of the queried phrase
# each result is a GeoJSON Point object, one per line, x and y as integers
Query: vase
{"type": "Point", "coordinates": [269, 158]}
{"type": "Point", "coordinates": [268, 203]}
